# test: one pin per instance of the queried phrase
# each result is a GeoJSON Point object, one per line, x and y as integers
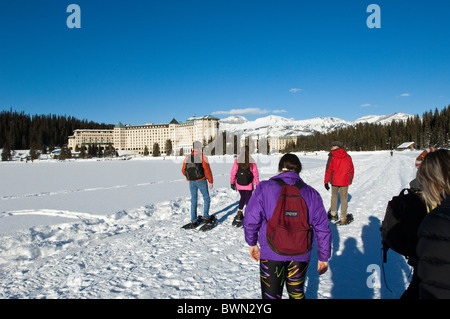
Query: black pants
{"type": "Point", "coordinates": [245, 197]}
{"type": "Point", "coordinates": [274, 274]}
{"type": "Point", "coordinates": [412, 292]}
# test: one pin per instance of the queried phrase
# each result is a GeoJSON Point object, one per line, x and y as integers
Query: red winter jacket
{"type": "Point", "coordinates": [339, 170]}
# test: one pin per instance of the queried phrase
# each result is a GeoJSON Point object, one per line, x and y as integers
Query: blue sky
{"type": "Point", "coordinates": [139, 61]}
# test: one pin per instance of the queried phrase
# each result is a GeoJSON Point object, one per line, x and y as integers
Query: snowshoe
{"type": "Point", "coordinates": [331, 217]}
{"type": "Point", "coordinates": [209, 223]}
{"type": "Point", "coordinates": [348, 220]}
{"type": "Point", "coordinates": [238, 219]}
{"type": "Point", "coordinates": [193, 225]}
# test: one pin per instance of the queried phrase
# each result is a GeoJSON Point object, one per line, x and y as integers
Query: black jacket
{"type": "Point", "coordinates": [433, 250]}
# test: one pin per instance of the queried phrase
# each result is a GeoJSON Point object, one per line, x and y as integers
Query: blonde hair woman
{"type": "Point", "coordinates": [433, 248]}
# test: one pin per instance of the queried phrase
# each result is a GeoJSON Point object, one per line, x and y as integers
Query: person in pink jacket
{"type": "Point", "coordinates": [244, 178]}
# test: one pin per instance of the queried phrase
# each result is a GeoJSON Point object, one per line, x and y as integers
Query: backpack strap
{"type": "Point", "coordinates": [280, 181]}
{"type": "Point", "coordinates": [299, 184]}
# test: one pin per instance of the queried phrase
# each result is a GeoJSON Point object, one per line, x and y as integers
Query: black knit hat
{"type": "Point", "coordinates": [336, 143]}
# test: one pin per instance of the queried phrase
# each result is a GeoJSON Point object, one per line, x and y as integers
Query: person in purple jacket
{"type": "Point", "coordinates": [276, 269]}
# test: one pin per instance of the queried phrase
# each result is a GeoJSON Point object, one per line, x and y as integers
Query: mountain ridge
{"type": "Point", "coordinates": [275, 125]}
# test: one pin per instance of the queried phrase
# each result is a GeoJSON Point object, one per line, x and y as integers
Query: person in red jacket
{"type": "Point", "coordinates": [339, 173]}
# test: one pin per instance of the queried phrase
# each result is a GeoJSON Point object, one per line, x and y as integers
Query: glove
{"type": "Point", "coordinates": [327, 187]}
{"type": "Point", "coordinates": [233, 187]}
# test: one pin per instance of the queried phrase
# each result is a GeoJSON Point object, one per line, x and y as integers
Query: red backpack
{"type": "Point", "coordinates": [288, 230]}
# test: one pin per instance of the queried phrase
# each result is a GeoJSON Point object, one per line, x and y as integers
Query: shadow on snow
{"type": "Point", "coordinates": [349, 268]}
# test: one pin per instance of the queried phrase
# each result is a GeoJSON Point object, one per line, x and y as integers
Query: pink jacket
{"type": "Point", "coordinates": [250, 186]}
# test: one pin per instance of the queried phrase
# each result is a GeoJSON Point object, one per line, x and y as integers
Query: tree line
{"type": "Point", "coordinates": [20, 131]}
{"type": "Point", "coordinates": [432, 129]}
{"type": "Point", "coordinates": [44, 132]}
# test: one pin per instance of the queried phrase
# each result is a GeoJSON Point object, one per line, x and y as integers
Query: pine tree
{"type": "Point", "coordinates": [65, 153]}
{"type": "Point", "coordinates": [33, 154]}
{"type": "Point", "coordinates": [83, 152]}
{"type": "Point", "coordinates": [168, 147]}
{"type": "Point", "coordinates": [6, 154]}
{"type": "Point", "coordinates": [156, 151]}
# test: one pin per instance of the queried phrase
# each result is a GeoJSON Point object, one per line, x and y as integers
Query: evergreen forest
{"type": "Point", "coordinates": [20, 131]}
{"type": "Point", "coordinates": [431, 129]}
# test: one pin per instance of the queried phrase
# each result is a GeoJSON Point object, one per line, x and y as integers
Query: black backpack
{"type": "Point", "coordinates": [404, 213]}
{"type": "Point", "coordinates": [244, 176]}
{"type": "Point", "coordinates": [194, 168]}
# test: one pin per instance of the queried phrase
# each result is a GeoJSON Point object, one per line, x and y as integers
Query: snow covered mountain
{"type": "Point", "coordinates": [274, 125]}
{"type": "Point", "coordinates": [383, 119]}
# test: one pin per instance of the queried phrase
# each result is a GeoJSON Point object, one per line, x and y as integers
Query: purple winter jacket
{"type": "Point", "coordinates": [260, 209]}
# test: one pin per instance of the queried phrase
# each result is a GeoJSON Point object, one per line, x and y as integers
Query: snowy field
{"type": "Point", "coordinates": [111, 229]}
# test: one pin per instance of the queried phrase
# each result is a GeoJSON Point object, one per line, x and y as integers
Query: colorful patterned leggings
{"type": "Point", "coordinates": [275, 273]}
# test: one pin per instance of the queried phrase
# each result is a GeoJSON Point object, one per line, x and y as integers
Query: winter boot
{"type": "Point", "coordinates": [237, 221]}
{"type": "Point", "coordinates": [345, 221]}
{"type": "Point", "coordinates": [333, 216]}
{"type": "Point", "coordinates": [209, 220]}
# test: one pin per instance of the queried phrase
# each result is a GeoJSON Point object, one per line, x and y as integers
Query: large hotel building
{"type": "Point", "coordinates": [135, 138]}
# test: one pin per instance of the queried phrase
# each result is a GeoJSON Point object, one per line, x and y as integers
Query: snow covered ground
{"type": "Point", "coordinates": [111, 229]}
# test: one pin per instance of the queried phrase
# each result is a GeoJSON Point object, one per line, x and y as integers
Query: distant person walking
{"type": "Point", "coordinates": [198, 173]}
{"type": "Point", "coordinates": [244, 178]}
{"type": "Point", "coordinates": [433, 248]}
{"type": "Point", "coordinates": [278, 268]}
{"type": "Point", "coordinates": [339, 173]}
